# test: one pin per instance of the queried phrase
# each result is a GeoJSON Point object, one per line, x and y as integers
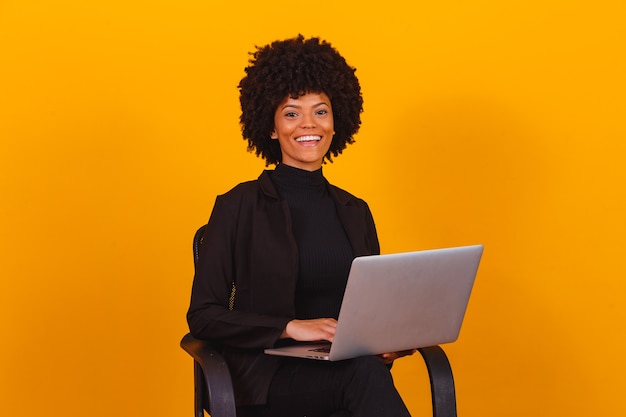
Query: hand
{"type": "Point", "coordinates": [310, 330]}
{"type": "Point", "coordinates": [388, 358]}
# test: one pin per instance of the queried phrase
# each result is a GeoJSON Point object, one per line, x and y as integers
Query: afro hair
{"type": "Point", "coordinates": [295, 67]}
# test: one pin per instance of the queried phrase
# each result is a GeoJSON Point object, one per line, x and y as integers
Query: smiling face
{"type": "Point", "coordinates": [304, 127]}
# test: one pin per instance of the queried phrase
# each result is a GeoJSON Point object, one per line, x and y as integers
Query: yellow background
{"type": "Point", "coordinates": [491, 122]}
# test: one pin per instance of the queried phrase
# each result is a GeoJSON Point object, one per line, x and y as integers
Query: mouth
{"type": "Point", "coordinates": [308, 138]}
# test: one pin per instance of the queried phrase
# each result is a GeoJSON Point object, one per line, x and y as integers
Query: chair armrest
{"type": "Point", "coordinates": [214, 375]}
{"type": "Point", "coordinates": [441, 381]}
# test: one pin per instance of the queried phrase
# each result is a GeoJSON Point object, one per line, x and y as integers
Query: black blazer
{"type": "Point", "coordinates": [249, 241]}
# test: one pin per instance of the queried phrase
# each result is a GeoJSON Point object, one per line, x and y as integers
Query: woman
{"type": "Point", "coordinates": [276, 252]}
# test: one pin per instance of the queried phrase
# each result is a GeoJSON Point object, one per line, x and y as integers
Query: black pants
{"type": "Point", "coordinates": [361, 387]}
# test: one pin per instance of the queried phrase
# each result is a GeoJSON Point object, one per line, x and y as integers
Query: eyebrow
{"type": "Point", "coordinates": [296, 106]}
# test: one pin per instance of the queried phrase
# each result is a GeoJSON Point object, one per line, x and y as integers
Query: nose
{"type": "Point", "coordinates": [308, 121]}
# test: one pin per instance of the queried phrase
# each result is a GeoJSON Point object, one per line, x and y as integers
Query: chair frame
{"type": "Point", "coordinates": [213, 388]}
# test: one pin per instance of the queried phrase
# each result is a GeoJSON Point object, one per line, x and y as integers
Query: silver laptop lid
{"type": "Point", "coordinates": [405, 300]}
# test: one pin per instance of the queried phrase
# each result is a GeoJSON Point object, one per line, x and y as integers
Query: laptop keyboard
{"type": "Point", "coordinates": [325, 349]}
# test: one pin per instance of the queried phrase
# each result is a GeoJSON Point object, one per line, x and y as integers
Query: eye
{"type": "Point", "coordinates": [291, 114]}
{"type": "Point", "coordinates": [321, 112]}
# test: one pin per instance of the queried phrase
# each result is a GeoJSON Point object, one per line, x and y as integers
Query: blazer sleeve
{"type": "Point", "coordinates": [209, 317]}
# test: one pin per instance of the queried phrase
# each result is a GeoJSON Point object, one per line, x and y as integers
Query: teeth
{"type": "Point", "coordinates": [308, 138]}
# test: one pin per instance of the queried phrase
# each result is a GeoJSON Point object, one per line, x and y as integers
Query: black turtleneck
{"type": "Point", "coordinates": [324, 249]}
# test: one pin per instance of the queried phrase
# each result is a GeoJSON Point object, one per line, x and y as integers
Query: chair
{"type": "Point", "coordinates": [213, 390]}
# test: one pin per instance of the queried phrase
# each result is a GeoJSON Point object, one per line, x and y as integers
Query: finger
{"type": "Point", "coordinates": [330, 322]}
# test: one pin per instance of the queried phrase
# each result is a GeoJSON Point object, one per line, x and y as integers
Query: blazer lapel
{"type": "Point", "coordinates": [353, 220]}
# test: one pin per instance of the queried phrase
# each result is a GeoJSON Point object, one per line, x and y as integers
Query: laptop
{"type": "Point", "coordinates": [398, 302]}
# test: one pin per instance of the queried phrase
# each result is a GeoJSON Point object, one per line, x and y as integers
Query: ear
{"type": "Point", "coordinates": [274, 134]}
